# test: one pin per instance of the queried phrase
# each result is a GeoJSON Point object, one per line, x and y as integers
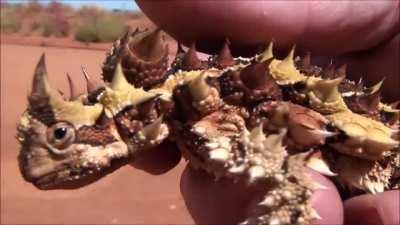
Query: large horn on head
{"type": "Point", "coordinates": [48, 105]}
{"type": "Point", "coordinates": [40, 83]}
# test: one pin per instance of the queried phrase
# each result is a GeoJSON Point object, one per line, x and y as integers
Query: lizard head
{"type": "Point", "coordinates": [70, 143]}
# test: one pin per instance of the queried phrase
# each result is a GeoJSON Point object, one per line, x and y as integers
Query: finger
{"type": "Point", "coordinates": [327, 201]}
{"type": "Point", "coordinates": [373, 65]}
{"type": "Point", "coordinates": [158, 160]}
{"type": "Point", "coordinates": [224, 202]}
{"type": "Point", "coordinates": [370, 209]}
{"type": "Point", "coordinates": [323, 27]}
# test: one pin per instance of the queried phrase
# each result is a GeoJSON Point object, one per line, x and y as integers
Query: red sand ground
{"type": "Point", "coordinates": [128, 196]}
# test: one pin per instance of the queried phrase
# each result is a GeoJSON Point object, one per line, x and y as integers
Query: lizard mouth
{"type": "Point", "coordinates": [67, 178]}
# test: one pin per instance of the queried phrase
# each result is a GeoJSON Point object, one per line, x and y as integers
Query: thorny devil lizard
{"type": "Point", "coordinates": [259, 119]}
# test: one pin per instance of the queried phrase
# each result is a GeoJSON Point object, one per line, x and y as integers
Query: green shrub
{"type": "Point", "coordinates": [86, 33]}
{"type": "Point", "coordinates": [55, 25]}
{"type": "Point", "coordinates": [110, 28]}
{"type": "Point", "coordinates": [102, 29]}
{"type": "Point", "coordinates": [32, 7]}
{"type": "Point", "coordinates": [9, 21]}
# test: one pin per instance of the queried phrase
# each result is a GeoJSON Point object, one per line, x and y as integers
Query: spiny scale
{"type": "Point", "coordinates": [190, 60]}
{"type": "Point", "coordinates": [144, 58]}
{"type": "Point", "coordinates": [260, 119]}
{"type": "Point", "coordinates": [224, 58]}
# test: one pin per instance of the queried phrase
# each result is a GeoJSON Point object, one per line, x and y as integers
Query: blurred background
{"type": "Point", "coordinates": [73, 33]}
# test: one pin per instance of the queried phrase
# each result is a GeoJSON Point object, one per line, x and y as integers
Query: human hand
{"type": "Point", "coordinates": [364, 35]}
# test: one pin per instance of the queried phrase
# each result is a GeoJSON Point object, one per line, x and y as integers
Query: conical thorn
{"type": "Point", "coordinates": [256, 76]}
{"type": "Point", "coordinates": [268, 52]}
{"type": "Point", "coordinates": [219, 155]}
{"type": "Point", "coordinates": [329, 71]}
{"type": "Point", "coordinates": [376, 87]}
{"type": "Point", "coordinates": [119, 81]}
{"type": "Point", "coordinates": [288, 62]}
{"type": "Point", "coordinates": [151, 47]}
{"type": "Point", "coordinates": [257, 134]}
{"type": "Point", "coordinates": [323, 133]}
{"type": "Point", "coordinates": [225, 58]}
{"type": "Point", "coordinates": [190, 60]}
{"type": "Point", "coordinates": [40, 83]}
{"type": "Point", "coordinates": [199, 88]}
{"type": "Point", "coordinates": [179, 49]}
{"type": "Point", "coordinates": [152, 130]}
{"type": "Point", "coordinates": [320, 165]}
{"type": "Point", "coordinates": [306, 61]}
{"type": "Point", "coordinates": [73, 94]}
{"type": "Point", "coordinates": [90, 86]}
{"type": "Point", "coordinates": [255, 173]}
{"type": "Point", "coordinates": [341, 71]}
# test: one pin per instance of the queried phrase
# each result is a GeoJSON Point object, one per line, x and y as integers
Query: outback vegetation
{"type": "Point", "coordinates": [55, 19]}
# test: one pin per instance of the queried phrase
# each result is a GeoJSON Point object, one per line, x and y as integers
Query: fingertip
{"type": "Point", "coordinates": [326, 201]}
{"type": "Point", "coordinates": [225, 202]}
{"type": "Point", "coordinates": [323, 27]}
{"type": "Point", "coordinates": [368, 209]}
{"type": "Point", "coordinates": [373, 65]}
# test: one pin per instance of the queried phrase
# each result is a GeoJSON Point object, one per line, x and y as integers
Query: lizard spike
{"type": "Point", "coordinates": [190, 60]}
{"type": "Point", "coordinates": [341, 71]}
{"type": "Point", "coordinates": [257, 135]}
{"type": "Point", "coordinates": [323, 133]}
{"type": "Point", "coordinates": [152, 130]}
{"type": "Point", "coordinates": [328, 90]}
{"type": "Point", "coordinates": [329, 71]}
{"type": "Point", "coordinates": [224, 58]}
{"type": "Point", "coordinates": [40, 83]}
{"type": "Point", "coordinates": [367, 102]}
{"type": "Point", "coordinates": [73, 94]}
{"type": "Point", "coordinates": [179, 49]}
{"type": "Point", "coordinates": [199, 88]}
{"type": "Point", "coordinates": [219, 155]}
{"type": "Point", "coordinates": [372, 100]}
{"type": "Point", "coordinates": [256, 76]}
{"type": "Point", "coordinates": [276, 140]}
{"type": "Point", "coordinates": [43, 98]}
{"type": "Point", "coordinates": [150, 47]}
{"type": "Point", "coordinates": [90, 86]}
{"type": "Point", "coordinates": [268, 52]}
{"type": "Point", "coordinates": [129, 33]}
{"type": "Point", "coordinates": [376, 87]}
{"type": "Point", "coordinates": [318, 164]}
{"type": "Point", "coordinates": [288, 62]}
{"type": "Point", "coordinates": [306, 61]}
{"type": "Point", "coordinates": [119, 81]}
{"type": "Point", "coordinates": [268, 201]}
{"type": "Point", "coordinates": [41, 90]}
{"type": "Point", "coordinates": [255, 173]}
{"type": "Point", "coordinates": [374, 188]}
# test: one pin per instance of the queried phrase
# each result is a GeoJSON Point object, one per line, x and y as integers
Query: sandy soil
{"type": "Point", "coordinates": [128, 196]}
{"type": "Point", "coordinates": [68, 42]}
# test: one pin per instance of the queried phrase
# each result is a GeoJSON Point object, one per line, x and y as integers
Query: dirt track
{"type": "Point", "coordinates": [128, 196]}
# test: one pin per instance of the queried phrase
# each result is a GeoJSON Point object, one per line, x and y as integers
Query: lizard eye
{"type": "Point", "coordinates": [61, 135]}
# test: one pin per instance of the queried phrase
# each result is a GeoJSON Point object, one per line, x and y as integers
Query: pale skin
{"type": "Point", "coordinates": [364, 35]}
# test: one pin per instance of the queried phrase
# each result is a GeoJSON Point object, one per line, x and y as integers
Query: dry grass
{"type": "Point", "coordinates": [87, 24]}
